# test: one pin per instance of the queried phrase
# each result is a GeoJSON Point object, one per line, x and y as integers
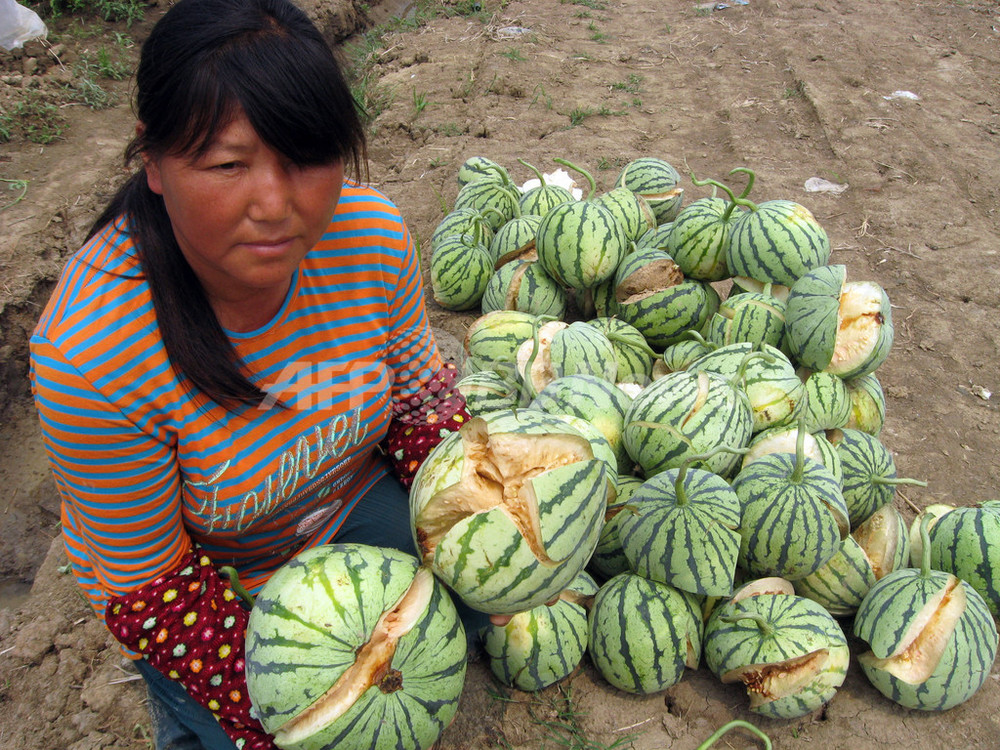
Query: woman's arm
{"type": "Point", "coordinates": [125, 536]}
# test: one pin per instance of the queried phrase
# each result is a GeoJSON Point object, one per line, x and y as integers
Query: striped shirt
{"type": "Point", "coordinates": [145, 464]}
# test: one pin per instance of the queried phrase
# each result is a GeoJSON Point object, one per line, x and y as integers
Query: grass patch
{"type": "Point", "coordinates": [632, 85]}
{"type": "Point", "coordinates": [128, 11]}
{"type": "Point", "coordinates": [592, 4]}
{"type": "Point", "coordinates": [36, 118]}
{"type": "Point", "coordinates": [513, 54]}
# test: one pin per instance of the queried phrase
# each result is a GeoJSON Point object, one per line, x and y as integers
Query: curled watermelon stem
{"type": "Point", "coordinates": [741, 371]}
{"type": "Point", "coordinates": [643, 347]}
{"type": "Point", "coordinates": [925, 540]}
{"type": "Point", "coordinates": [735, 724]}
{"type": "Point", "coordinates": [751, 178]}
{"type": "Point", "coordinates": [591, 185]}
{"type": "Point", "coordinates": [765, 626]}
{"type": "Point", "coordinates": [234, 580]}
{"type": "Point", "coordinates": [725, 188]}
{"type": "Point", "coordinates": [679, 491]}
{"type": "Point", "coordinates": [893, 481]}
{"type": "Point", "coordinates": [537, 172]}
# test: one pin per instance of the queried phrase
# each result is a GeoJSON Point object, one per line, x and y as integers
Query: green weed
{"type": "Point", "coordinates": [513, 54]}
{"type": "Point", "coordinates": [128, 11]}
{"type": "Point", "coordinates": [38, 119]}
{"type": "Point", "coordinates": [541, 96]}
{"type": "Point", "coordinates": [420, 102]}
{"type": "Point", "coordinates": [592, 4]}
{"type": "Point", "coordinates": [632, 85]}
{"type": "Point", "coordinates": [796, 90]}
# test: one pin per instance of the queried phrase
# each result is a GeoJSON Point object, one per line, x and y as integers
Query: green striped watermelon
{"type": "Point", "coordinates": [492, 341]}
{"type": "Point", "coordinates": [765, 375]}
{"type": "Point", "coordinates": [755, 317]}
{"type": "Point", "coordinates": [794, 517]}
{"type": "Point", "coordinates": [351, 646]}
{"type": "Point", "coordinates": [635, 358]}
{"type": "Point", "coordinates": [462, 221]}
{"type": "Point", "coordinates": [966, 542]}
{"type": "Point", "coordinates": [654, 297]}
{"type": "Point", "coordinates": [685, 414]}
{"type": "Point", "coordinates": [655, 239]}
{"type": "Point", "coordinates": [609, 559]}
{"type": "Point", "coordinates": [595, 400]}
{"type": "Point", "coordinates": [683, 354]}
{"type": "Point", "coordinates": [562, 349]}
{"type": "Point", "coordinates": [477, 168]}
{"type": "Point", "coordinates": [487, 391]}
{"type": "Point", "coordinates": [683, 529]}
{"type": "Point", "coordinates": [867, 404]}
{"type": "Point", "coordinates": [827, 400]}
{"type": "Point", "coordinates": [932, 512]}
{"type": "Point", "coordinates": [514, 239]}
{"type": "Point", "coordinates": [932, 637]}
{"type": "Point", "coordinates": [544, 645]}
{"type": "Point", "coordinates": [656, 181]}
{"type": "Point", "coordinates": [869, 472]}
{"type": "Point", "coordinates": [580, 244]}
{"type": "Point", "coordinates": [508, 510]}
{"type": "Point", "coordinates": [838, 326]}
{"type": "Point", "coordinates": [460, 271]}
{"type": "Point", "coordinates": [523, 285]}
{"type": "Point", "coordinates": [630, 210]}
{"type": "Point", "coordinates": [776, 241]}
{"type": "Point", "coordinates": [643, 633]}
{"type": "Point", "coordinates": [539, 200]}
{"type": "Point", "coordinates": [496, 199]}
{"type": "Point", "coordinates": [788, 651]}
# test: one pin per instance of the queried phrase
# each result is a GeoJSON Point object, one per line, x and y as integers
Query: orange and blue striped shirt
{"type": "Point", "coordinates": [145, 464]}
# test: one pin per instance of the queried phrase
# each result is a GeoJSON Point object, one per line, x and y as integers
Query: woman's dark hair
{"type": "Point", "coordinates": [204, 62]}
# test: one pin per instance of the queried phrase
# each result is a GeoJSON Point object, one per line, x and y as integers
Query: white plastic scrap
{"type": "Point", "coordinates": [18, 25]}
{"type": "Point", "coordinates": [902, 95]}
{"type": "Point", "coordinates": [560, 177]}
{"type": "Point", "coordinates": [819, 185]}
{"type": "Point", "coordinates": [512, 32]}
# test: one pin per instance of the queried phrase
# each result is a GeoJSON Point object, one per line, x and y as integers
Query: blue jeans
{"type": "Point", "coordinates": [381, 518]}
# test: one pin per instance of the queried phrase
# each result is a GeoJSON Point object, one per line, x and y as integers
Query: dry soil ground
{"type": "Point", "coordinates": [792, 89]}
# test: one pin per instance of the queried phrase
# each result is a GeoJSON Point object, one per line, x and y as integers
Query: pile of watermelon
{"type": "Point", "coordinates": [725, 372]}
{"type": "Point", "coordinates": [673, 460]}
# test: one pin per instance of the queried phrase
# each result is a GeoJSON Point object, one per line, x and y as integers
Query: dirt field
{"type": "Point", "coordinates": [898, 100]}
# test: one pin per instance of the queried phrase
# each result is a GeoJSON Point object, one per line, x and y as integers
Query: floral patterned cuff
{"type": "Point", "coordinates": [422, 420]}
{"type": "Point", "coordinates": [190, 626]}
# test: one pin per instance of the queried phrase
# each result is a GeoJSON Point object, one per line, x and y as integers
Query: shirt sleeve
{"type": "Point", "coordinates": [412, 353]}
{"type": "Point", "coordinates": [120, 484]}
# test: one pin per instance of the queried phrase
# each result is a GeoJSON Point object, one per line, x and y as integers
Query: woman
{"type": "Point", "coordinates": [219, 364]}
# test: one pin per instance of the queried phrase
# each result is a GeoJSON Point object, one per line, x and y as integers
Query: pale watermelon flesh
{"type": "Point", "coordinates": [372, 665]}
{"type": "Point", "coordinates": [922, 646]}
{"type": "Point", "coordinates": [766, 683]}
{"type": "Point", "coordinates": [651, 278]}
{"type": "Point", "coordinates": [496, 473]}
{"type": "Point", "coordinates": [860, 322]}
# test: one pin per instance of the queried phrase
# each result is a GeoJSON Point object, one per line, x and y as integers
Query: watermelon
{"type": "Point", "coordinates": [867, 404]}
{"type": "Point", "coordinates": [788, 651]}
{"type": "Point", "coordinates": [595, 400]}
{"type": "Point", "coordinates": [514, 239]}
{"type": "Point", "coordinates": [539, 200]}
{"type": "Point", "coordinates": [656, 181]}
{"type": "Point", "coordinates": [508, 510]}
{"type": "Point", "coordinates": [523, 285]}
{"type": "Point", "coordinates": [561, 349]}
{"type": "Point", "coordinates": [869, 472]}
{"type": "Point", "coordinates": [785, 439]}
{"type": "Point", "coordinates": [460, 272]}
{"type": "Point", "coordinates": [685, 414]}
{"type": "Point", "coordinates": [496, 199]}
{"type": "Point", "coordinates": [635, 358]}
{"type": "Point", "coordinates": [776, 241]}
{"type": "Point", "coordinates": [827, 400]}
{"type": "Point", "coordinates": [794, 516]}
{"type": "Point", "coordinates": [931, 636]}
{"type": "Point", "coordinates": [683, 529]}
{"type": "Point", "coordinates": [842, 327]}
{"type": "Point", "coordinates": [648, 650]}
{"type": "Point", "coordinates": [351, 646]}
{"type": "Point", "coordinates": [966, 542]}
{"type": "Point", "coordinates": [542, 646]}
{"type": "Point", "coordinates": [653, 296]}
{"type": "Point", "coordinates": [754, 317]}
{"type": "Point", "coordinates": [477, 168]}
{"type": "Point", "coordinates": [630, 210]}
{"type": "Point", "coordinates": [487, 391]}
{"type": "Point", "coordinates": [492, 341]}
{"type": "Point", "coordinates": [462, 221]}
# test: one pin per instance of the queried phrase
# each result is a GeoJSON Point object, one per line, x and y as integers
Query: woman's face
{"type": "Point", "coordinates": [244, 217]}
